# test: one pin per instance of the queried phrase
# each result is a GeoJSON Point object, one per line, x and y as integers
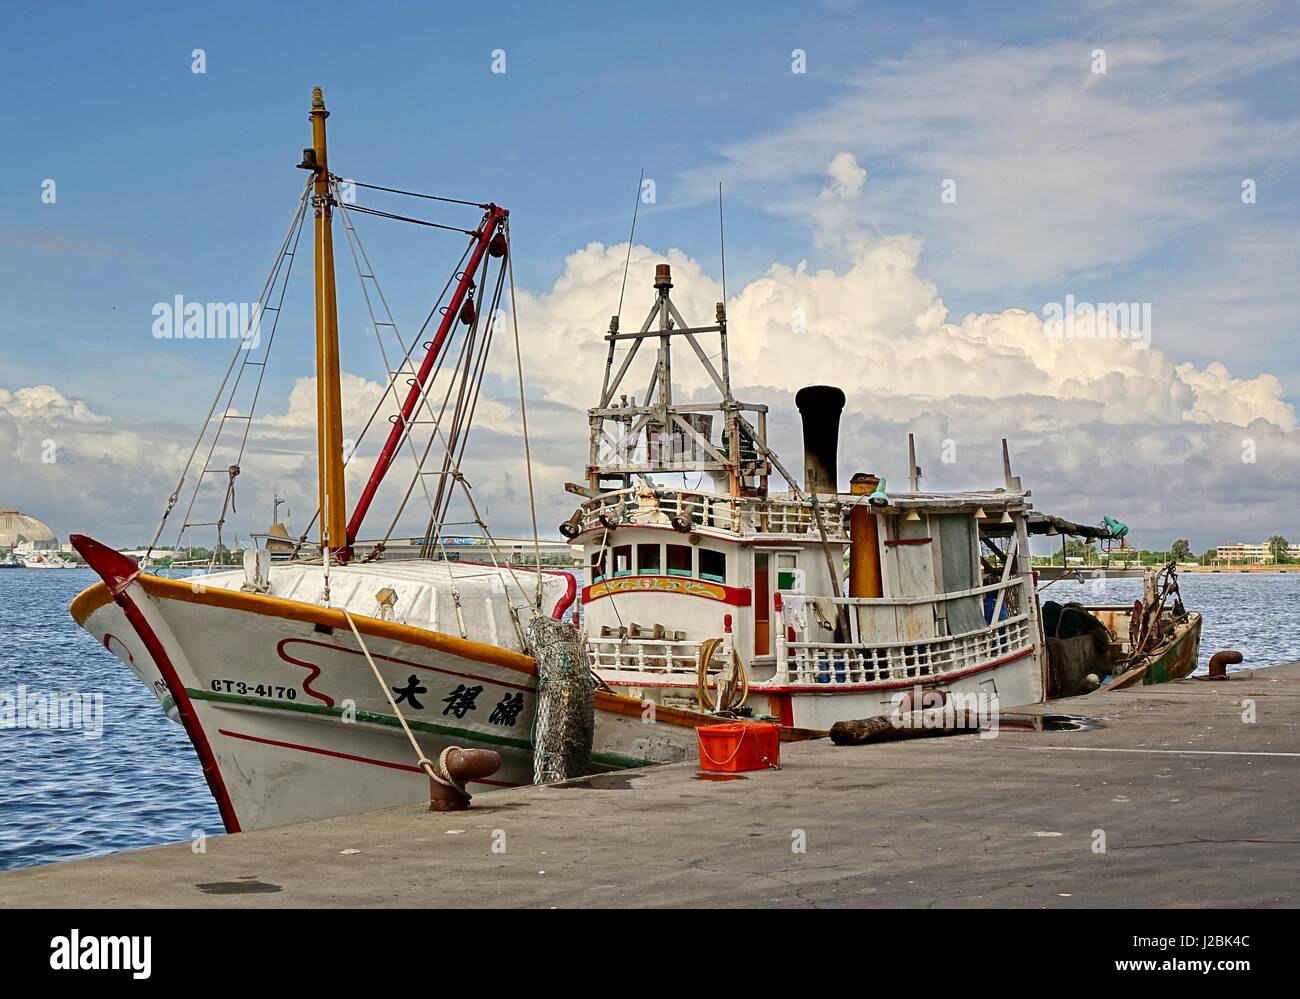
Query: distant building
{"type": "Point", "coordinates": [19, 529]}
{"type": "Point", "coordinates": [1247, 552]}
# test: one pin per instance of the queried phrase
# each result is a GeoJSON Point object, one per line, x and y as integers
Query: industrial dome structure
{"type": "Point", "coordinates": [19, 529]}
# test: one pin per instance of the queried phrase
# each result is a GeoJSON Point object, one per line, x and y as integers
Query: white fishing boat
{"type": "Point", "coordinates": [728, 594]}
{"type": "Point", "coordinates": [334, 682]}
{"type": "Point", "coordinates": [330, 681]}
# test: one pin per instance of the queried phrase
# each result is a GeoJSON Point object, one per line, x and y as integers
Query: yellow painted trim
{"type": "Point", "coordinates": [88, 601]}
{"type": "Point", "coordinates": [293, 610]}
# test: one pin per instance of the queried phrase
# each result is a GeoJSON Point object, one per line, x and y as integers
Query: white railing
{"type": "Point", "coordinates": [830, 663]}
{"type": "Point", "coordinates": [870, 657]}
{"type": "Point", "coordinates": [749, 515]}
{"type": "Point", "coordinates": [611, 656]}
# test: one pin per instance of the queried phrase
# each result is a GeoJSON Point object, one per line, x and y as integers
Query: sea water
{"type": "Point", "coordinates": [129, 778]}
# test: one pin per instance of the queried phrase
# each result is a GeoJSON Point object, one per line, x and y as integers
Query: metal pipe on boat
{"type": "Point", "coordinates": [820, 407]}
{"type": "Point", "coordinates": [864, 541]}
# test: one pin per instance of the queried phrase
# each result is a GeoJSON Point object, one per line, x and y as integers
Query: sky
{"type": "Point", "coordinates": [916, 195]}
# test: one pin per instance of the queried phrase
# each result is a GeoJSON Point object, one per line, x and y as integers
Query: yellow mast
{"type": "Point", "coordinates": [329, 407]}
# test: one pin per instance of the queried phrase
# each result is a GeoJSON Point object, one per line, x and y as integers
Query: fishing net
{"type": "Point", "coordinates": [566, 713]}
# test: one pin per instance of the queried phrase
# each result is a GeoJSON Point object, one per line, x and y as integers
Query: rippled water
{"type": "Point", "coordinates": [63, 795]}
{"type": "Point", "coordinates": [1254, 613]}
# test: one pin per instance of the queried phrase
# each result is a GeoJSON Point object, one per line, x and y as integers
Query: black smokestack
{"type": "Point", "coordinates": [820, 406]}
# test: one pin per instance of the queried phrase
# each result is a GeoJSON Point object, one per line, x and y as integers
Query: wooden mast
{"type": "Point", "coordinates": [329, 406]}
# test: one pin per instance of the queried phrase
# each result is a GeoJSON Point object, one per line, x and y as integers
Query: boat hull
{"type": "Point", "coordinates": [1177, 660]}
{"type": "Point", "coordinates": [290, 723]}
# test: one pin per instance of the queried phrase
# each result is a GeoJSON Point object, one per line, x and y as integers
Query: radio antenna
{"type": "Point", "coordinates": [636, 205]}
{"type": "Point", "coordinates": [722, 239]}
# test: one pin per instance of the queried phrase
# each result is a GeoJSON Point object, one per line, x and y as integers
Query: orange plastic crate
{"type": "Point", "coordinates": [737, 746]}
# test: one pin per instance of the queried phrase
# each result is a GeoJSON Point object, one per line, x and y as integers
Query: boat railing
{"type": "Point", "coordinates": [918, 660]}
{"type": "Point", "coordinates": [611, 656]}
{"type": "Point", "coordinates": [870, 657]}
{"type": "Point", "coordinates": [693, 509]}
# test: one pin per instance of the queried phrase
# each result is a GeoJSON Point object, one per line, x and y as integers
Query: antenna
{"type": "Point", "coordinates": [636, 206]}
{"type": "Point", "coordinates": [722, 240]}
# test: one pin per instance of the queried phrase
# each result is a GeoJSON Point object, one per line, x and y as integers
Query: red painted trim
{"type": "Point", "coordinates": [785, 708]}
{"type": "Point", "coordinates": [570, 589]}
{"type": "Point", "coordinates": [908, 541]}
{"type": "Point", "coordinates": [492, 220]}
{"type": "Point", "coordinates": [347, 756]}
{"type": "Point", "coordinates": [737, 596]}
{"type": "Point", "coordinates": [390, 659]}
{"type": "Point", "coordinates": [109, 565]}
{"type": "Point", "coordinates": [312, 668]}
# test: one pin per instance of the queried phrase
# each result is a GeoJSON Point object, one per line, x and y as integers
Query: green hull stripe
{"type": "Point", "coordinates": [604, 759]}
{"type": "Point", "coordinates": [370, 717]}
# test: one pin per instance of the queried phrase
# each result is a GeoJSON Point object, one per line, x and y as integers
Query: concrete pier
{"type": "Point", "coordinates": [1187, 794]}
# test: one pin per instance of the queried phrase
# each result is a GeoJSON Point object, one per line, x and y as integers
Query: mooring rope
{"type": "Point", "coordinates": [439, 774]}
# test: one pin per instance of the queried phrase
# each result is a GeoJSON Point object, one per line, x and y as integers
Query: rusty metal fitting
{"type": "Point", "coordinates": [460, 766]}
{"type": "Point", "coordinates": [1220, 661]}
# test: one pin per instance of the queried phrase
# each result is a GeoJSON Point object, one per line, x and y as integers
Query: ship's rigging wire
{"type": "Point", "coordinates": [413, 221]}
{"type": "Point", "coordinates": [627, 261]}
{"type": "Point", "coordinates": [412, 194]}
{"type": "Point", "coordinates": [290, 239]}
{"type": "Point", "coordinates": [467, 378]}
{"type": "Point", "coordinates": [359, 254]}
{"type": "Point", "coordinates": [406, 362]}
{"type": "Point", "coordinates": [523, 411]}
{"type": "Point", "coordinates": [722, 242]}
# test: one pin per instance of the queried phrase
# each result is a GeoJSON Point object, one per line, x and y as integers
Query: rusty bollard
{"type": "Point", "coordinates": [456, 767]}
{"type": "Point", "coordinates": [1220, 661]}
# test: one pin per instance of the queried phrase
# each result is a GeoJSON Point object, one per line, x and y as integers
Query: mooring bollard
{"type": "Point", "coordinates": [455, 768]}
{"type": "Point", "coordinates": [1220, 661]}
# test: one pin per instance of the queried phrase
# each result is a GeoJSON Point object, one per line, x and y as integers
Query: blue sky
{"type": "Point", "coordinates": [171, 182]}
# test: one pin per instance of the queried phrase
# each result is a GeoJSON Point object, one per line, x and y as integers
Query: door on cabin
{"type": "Point", "coordinates": [773, 571]}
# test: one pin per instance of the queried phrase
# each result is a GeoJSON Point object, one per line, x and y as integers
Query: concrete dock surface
{"type": "Point", "coordinates": [1177, 798]}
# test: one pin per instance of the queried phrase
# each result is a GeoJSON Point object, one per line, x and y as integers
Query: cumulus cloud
{"type": "Point", "coordinates": [1096, 425]}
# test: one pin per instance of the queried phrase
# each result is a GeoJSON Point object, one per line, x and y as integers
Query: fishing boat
{"type": "Point", "coordinates": [335, 682]}
{"type": "Point", "coordinates": [329, 682]}
{"type": "Point", "coordinates": [1154, 640]}
{"type": "Point", "coordinates": [728, 594]}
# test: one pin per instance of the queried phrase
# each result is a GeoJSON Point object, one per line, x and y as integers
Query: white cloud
{"type": "Point", "coordinates": [847, 176]}
{"type": "Point", "coordinates": [1058, 171]}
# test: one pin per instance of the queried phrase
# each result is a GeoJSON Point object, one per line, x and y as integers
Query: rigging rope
{"type": "Point", "coordinates": [413, 221]}
{"type": "Point", "coordinates": [290, 239]}
{"type": "Point", "coordinates": [414, 194]}
{"type": "Point", "coordinates": [523, 411]}
{"type": "Point", "coordinates": [440, 774]}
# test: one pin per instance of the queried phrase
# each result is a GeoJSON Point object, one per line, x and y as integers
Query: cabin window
{"type": "Point", "coordinates": [622, 564]}
{"type": "Point", "coordinates": [787, 577]}
{"type": "Point", "coordinates": [649, 560]}
{"type": "Point", "coordinates": [762, 604]}
{"type": "Point", "coordinates": [679, 560]}
{"type": "Point", "coordinates": [598, 565]}
{"type": "Point", "coordinates": [713, 566]}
